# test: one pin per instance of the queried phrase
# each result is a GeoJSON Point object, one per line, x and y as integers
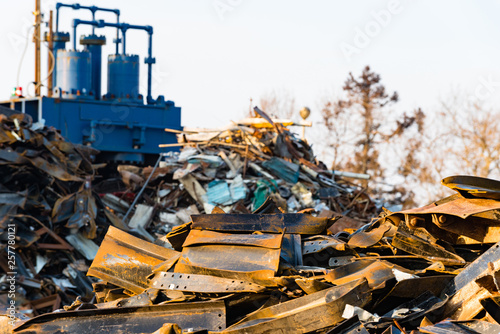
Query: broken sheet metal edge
{"type": "Point", "coordinates": [197, 237]}
{"type": "Point", "coordinates": [411, 313]}
{"type": "Point", "coordinates": [465, 293]}
{"type": "Point", "coordinates": [296, 223]}
{"type": "Point", "coordinates": [375, 271]}
{"type": "Point", "coordinates": [412, 288]}
{"type": "Point", "coordinates": [201, 283]}
{"type": "Point", "coordinates": [127, 261]}
{"type": "Point", "coordinates": [209, 315]}
{"type": "Point", "coordinates": [405, 240]}
{"type": "Point", "coordinates": [312, 284]}
{"type": "Point", "coordinates": [304, 314]}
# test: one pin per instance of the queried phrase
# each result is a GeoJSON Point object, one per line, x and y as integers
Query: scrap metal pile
{"type": "Point", "coordinates": [46, 211]}
{"type": "Point", "coordinates": [236, 169]}
{"type": "Point", "coordinates": [60, 205]}
{"type": "Point", "coordinates": [433, 269]}
{"type": "Point", "coordinates": [208, 248]}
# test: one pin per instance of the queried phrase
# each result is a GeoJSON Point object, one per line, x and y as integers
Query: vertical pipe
{"type": "Point", "coordinates": [149, 98]}
{"type": "Point", "coordinates": [50, 84]}
{"type": "Point", "coordinates": [93, 19]}
{"type": "Point", "coordinates": [36, 37]}
{"type": "Point", "coordinates": [74, 36]}
{"type": "Point", "coordinates": [117, 32]}
{"type": "Point", "coordinates": [57, 18]}
{"type": "Point", "coordinates": [124, 31]}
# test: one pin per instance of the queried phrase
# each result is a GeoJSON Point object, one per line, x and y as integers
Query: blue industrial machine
{"type": "Point", "coordinates": [120, 123]}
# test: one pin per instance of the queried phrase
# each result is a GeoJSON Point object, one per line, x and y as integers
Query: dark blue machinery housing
{"type": "Point", "coordinates": [119, 123]}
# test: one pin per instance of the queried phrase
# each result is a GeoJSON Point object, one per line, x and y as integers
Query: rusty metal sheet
{"type": "Point", "coordinates": [196, 315]}
{"type": "Point", "coordinates": [127, 261]}
{"type": "Point", "coordinates": [460, 207]}
{"type": "Point", "coordinates": [262, 277]}
{"type": "Point", "coordinates": [406, 241]}
{"type": "Point", "coordinates": [473, 186]}
{"type": "Point", "coordinates": [375, 272]}
{"type": "Point", "coordinates": [201, 283]}
{"type": "Point", "coordinates": [197, 237]}
{"type": "Point", "coordinates": [318, 243]}
{"type": "Point", "coordinates": [296, 223]}
{"type": "Point", "coordinates": [369, 238]}
{"type": "Point", "coordinates": [313, 312]}
{"type": "Point", "coordinates": [465, 292]}
{"type": "Point", "coordinates": [231, 258]}
{"type": "Point", "coordinates": [412, 288]}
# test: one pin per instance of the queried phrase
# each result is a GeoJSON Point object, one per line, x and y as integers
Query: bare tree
{"type": "Point", "coordinates": [359, 125]}
{"type": "Point", "coordinates": [461, 138]}
{"type": "Point", "coordinates": [472, 136]}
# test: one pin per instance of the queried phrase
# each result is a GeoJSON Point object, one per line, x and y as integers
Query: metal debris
{"type": "Point", "coordinates": [242, 232]}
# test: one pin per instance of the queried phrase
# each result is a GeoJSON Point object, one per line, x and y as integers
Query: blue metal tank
{"type": "Point", "coordinates": [123, 78]}
{"type": "Point", "coordinates": [60, 39]}
{"type": "Point", "coordinates": [93, 44]}
{"type": "Point", "coordinates": [74, 73]}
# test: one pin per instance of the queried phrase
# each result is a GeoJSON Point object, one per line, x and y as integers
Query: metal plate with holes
{"type": "Point", "coordinates": [201, 283]}
{"type": "Point", "coordinates": [341, 260]}
{"type": "Point", "coordinates": [315, 246]}
{"type": "Point", "coordinates": [197, 315]}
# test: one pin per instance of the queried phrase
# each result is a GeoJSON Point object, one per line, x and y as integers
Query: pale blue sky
{"type": "Point", "coordinates": [210, 61]}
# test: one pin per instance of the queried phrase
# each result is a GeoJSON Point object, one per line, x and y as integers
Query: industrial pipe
{"type": "Point", "coordinates": [149, 60]}
{"type": "Point", "coordinates": [93, 9]}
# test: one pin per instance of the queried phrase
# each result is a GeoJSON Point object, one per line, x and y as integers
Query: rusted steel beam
{"type": "Point", "coordinates": [464, 292]}
{"type": "Point", "coordinates": [201, 283]}
{"type": "Point", "coordinates": [275, 223]}
{"type": "Point", "coordinates": [197, 315]}
{"type": "Point", "coordinates": [310, 313]}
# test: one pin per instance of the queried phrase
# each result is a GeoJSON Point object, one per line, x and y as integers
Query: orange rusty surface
{"type": "Point", "coordinates": [197, 237]}
{"type": "Point", "coordinates": [460, 207]}
{"type": "Point", "coordinates": [127, 261]}
{"type": "Point", "coordinates": [305, 314]}
{"type": "Point", "coordinates": [230, 257]}
{"type": "Point", "coordinates": [375, 272]}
